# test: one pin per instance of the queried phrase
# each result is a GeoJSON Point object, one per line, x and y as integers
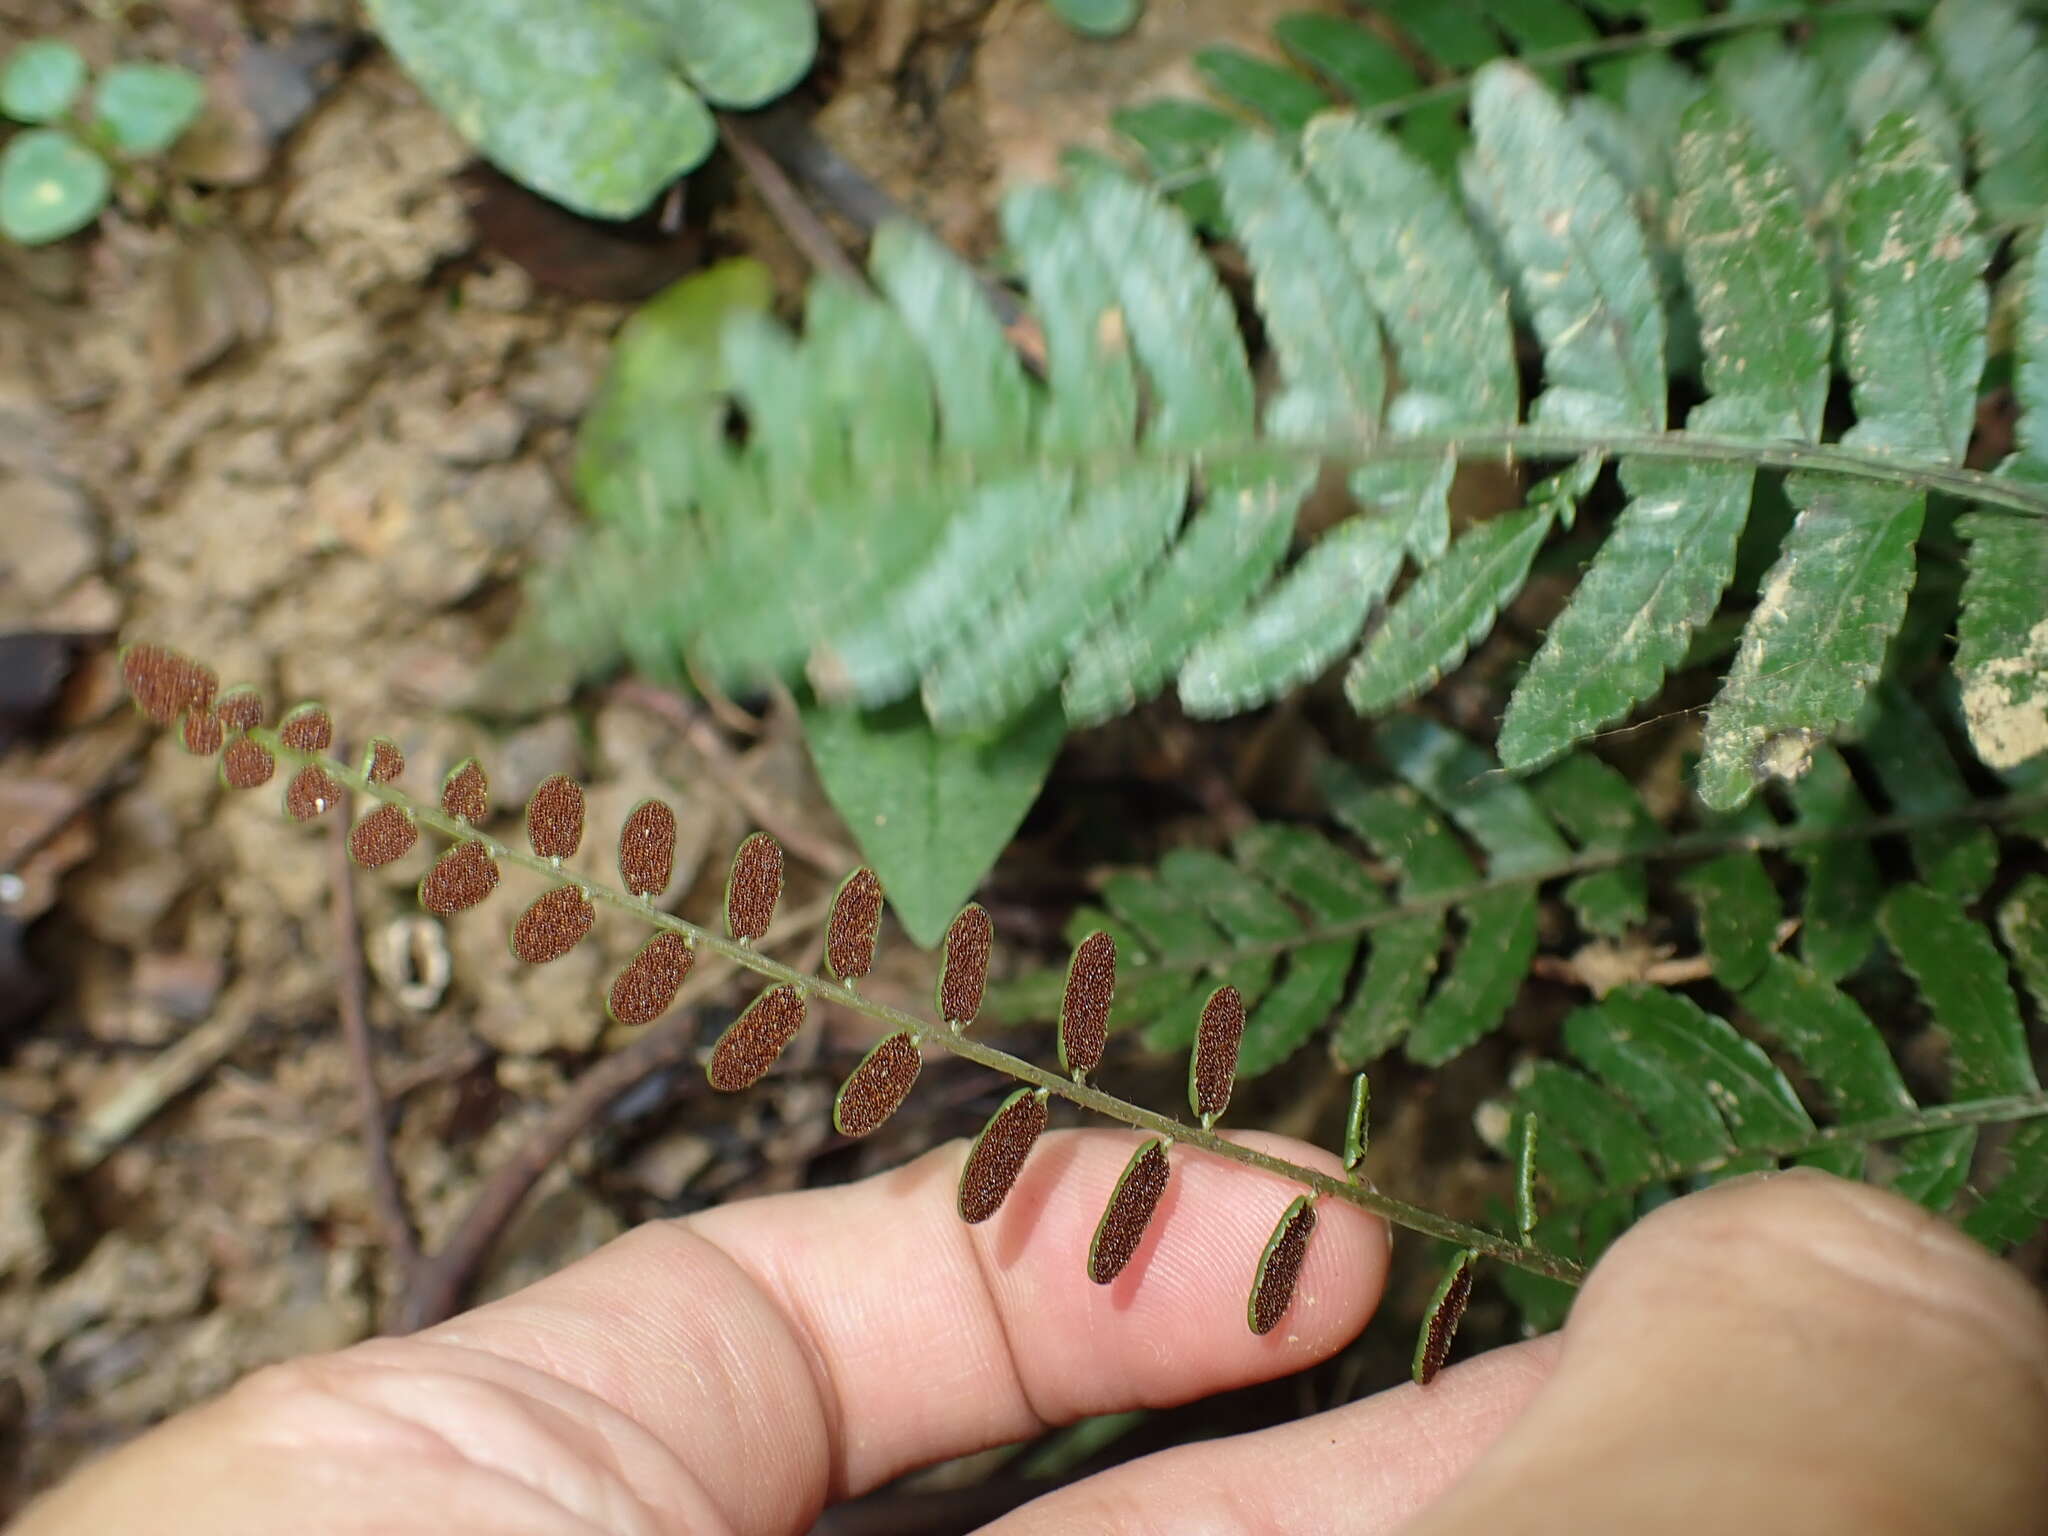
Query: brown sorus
{"type": "Point", "coordinates": [647, 848]}
{"type": "Point", "coordinates": [1280, 1266]}
{"type": "Point", "coordinates": [311, 793]}
{"type": "Point", "coordinates": [165, 683]}
{"type": "Point", "coordinates": [649, 983]}
{"type": "Point", "coordinates": [753, 887]}
{"type": "Point", "coordinates": [240, 708]}
{"type": "Point", "coordinates": [387, 833]}
{"type": "Point", "coordinates": [875, 1089]}
{"type": "Point", "coordinates": [246, 764]}
{"type": "Point", "coordinates": [856, 919]}
{"type": "Point", "coordinates": [750, 1044]}
{"type": "Point", "coordinates": [383, 762]}
{"type": "Point", "coordinates": [1129, 1212]}
{"type": "Point", "coordinates": [1084, 1007]}
{"type": "Point", "coordinates": [1213, 1066]}
{"type": "Point", "coordinates": [203, 732]}
{"type": "Point", "coordinates": [466, 792]}
{"type": "Point", "coordinates": [963, 976]}
{"type": "Point", "coordinates": [1446, 1310]}
{"type": "Point", "coordinates": [554, 817]}
{"type": "Point", "coordinates": [998, 1153]}
{"type": "Point", "coordinates": [308, 728]}
{"type": "Point", "coordinates": [460, 878]}
{"type": "Point", "coordinates": [553, 925]}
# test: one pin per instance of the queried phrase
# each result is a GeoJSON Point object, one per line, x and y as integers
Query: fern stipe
{"type": "Point", "coordinates": [963, 975]}
{"type": "Point", "coordinates": [998, 1153]}
{"type": "Point", "coordinates": [753, 1041]}
{"type": "Point", "coordinates": [753, 887]}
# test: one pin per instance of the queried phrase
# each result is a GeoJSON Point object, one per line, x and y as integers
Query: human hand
{"type": "Point", "coordinates": [1792, 1354]}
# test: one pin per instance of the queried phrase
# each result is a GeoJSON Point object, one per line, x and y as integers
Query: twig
{"type": "Point", "coordinates": [804, 228]}
{"type": "Point", "coordinates": [352, 1000]}
{"type": "Point", "coordinates": [765, 809]}
{"type": "Point", "coordinates": [440, 1283]}
{"type": "Point", "coordinates": [166, 1075]}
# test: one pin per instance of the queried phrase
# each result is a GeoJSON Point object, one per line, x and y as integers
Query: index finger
{"type": "Point", "coordinates": [807, 1347]}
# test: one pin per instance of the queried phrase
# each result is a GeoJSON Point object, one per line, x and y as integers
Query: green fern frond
{"type": "Point", "coordinates": [910, 509]}
{"type": "Point", "coordinates": [1422, 937]}
{"type": "Point", "coordinates": [1662, 1095]}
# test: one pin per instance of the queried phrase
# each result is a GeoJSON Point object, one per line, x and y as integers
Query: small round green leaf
{"type": "Point", "coordinates": [41, 80]}
{"type": "Point", "coordinates": [50, 186]}
{"type": "Point", "coordinates": [144, 107]}
{"type": "Point", "coordinates": [1099, 18]}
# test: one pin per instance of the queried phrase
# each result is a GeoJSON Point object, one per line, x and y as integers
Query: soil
{"type": "Point", "coordinates": [305, 409]}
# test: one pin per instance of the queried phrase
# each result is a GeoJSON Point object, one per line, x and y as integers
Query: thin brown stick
{"type": "Point", "coordinates": [766, 810]}
{"type": "Point", "coordinates": [803, 226]}
{"type": "Point", "coordinates": [352, 1002]}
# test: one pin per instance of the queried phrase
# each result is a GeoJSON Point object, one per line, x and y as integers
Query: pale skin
{"type": "Point", "coordinates": [1792, 1354]}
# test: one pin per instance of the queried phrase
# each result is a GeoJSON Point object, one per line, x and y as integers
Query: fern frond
{"type": "Point", "coordinates": [1423, 940]}
{"type": "Point", "coordinates": [912, 510]}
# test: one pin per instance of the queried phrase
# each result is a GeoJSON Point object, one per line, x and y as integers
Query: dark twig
{"type": "Point", "coordinates": [441, 1282]}
{"type": "Point", "coordinates": [803, 226]}
{"type": "Point", "coordinates": [352, 993]}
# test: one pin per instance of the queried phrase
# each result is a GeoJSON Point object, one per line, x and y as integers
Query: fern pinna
{"type": "Point", "coordinates": [1238, 963]}
{"type": "Point", "coordinates": [1095, 502]}
{"type": "Point", "coordinates": [176, 691]}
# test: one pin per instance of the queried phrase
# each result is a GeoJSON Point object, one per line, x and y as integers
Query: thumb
{"type": "Point", "coordinates": [1786, 1354]}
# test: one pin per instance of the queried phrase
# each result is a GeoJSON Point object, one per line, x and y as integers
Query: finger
{"type": "Point", "coordinates": [1362, 1469]}
{"type": "Point", "coordinates": [810, 1346]}
{"type": "Point", "coordinates": [1792, 1354]}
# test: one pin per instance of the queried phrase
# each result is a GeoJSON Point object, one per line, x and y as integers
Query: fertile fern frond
{"type": "Point", "coordinates": [1662, 1095]}
{"type": "Point", "coordinates": [1421, 935]}
{"type": "Point", "coordinates": [909, 508]}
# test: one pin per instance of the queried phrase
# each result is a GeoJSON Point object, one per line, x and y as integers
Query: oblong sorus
{"type": "Point", "coordinates": [165, 683]}
{"type": "Point", "coordinates": [647, 849]}
{"type": "Point", "coordinates": [1280, 1266]}
{"type": "Point", "coordinates": [1212, 1065]}
{"type": "Point", "coordinates": [555, 923]}
{"type": "Point", "coordinates": [1129, 1211]}
{"type": "Point", "coordinates": [876, 1089]}
{"type": "Point", "coordinates": [312, 792]}
{"type": "Point", "coordinates": [240, 708]}
{"type": "Point", "coordinates": [382, 761]}
{"type": "Point", "coordinates": [554, 817]}
{"type": "Point", "coordinates": [308, 728]}
{"type": "Point", "coordinates": [750, 1044]}
{"type": "Point", "coordinates": [460, 878]}
{"type": "Point", "coordinates": [998, 1153]}
{"type": "Point", "coordinates": [753, 887]}
{"type": "Point", "coordinates": [466, 792]}
{"type": "Point", "coordinates": [963, 975]}
{"type": "Point", "coordinates": [1084, 1005]}
{"type": "Point", "coordinates": [387, 833]}
{"type": "Point", "coordinates": [1440, 1321]}
{"type": "Point", "coordinates": [203, 732]}
{"type": "Point", "coordinates": [856, 920]}
{"type": "Point", "coordinates": [246, 764]}
{"type": "Point", "coordinates": [649, 983]}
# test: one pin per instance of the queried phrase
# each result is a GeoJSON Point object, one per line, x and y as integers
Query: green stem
{"type": "Point", "coordinates": [1491, 1244]}
{"type": "Point", "coordinates": [1650, 40]}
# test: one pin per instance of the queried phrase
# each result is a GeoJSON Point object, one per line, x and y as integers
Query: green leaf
{"type": "Point", "coordinates": [2017, 1205]}
{"type": "Point", "coordinates": [2002, 637]}
{"type": "Point", "coordinates": [1296, 629]}
{"type": "Point", "coordinates": [145, 107]}
{"type": "Point", "coordinates": [1962, 975]}
{"type": "Point", "coordinates": [1612, 1041]}
{"type": "Point", "coordinates": [1445, 314]}
{"type": "Point", "coordinates": [930, 812]}
{"type": "Point", "coordinates": [1275, 93]}
{"type": "Point", "coordinates": [1585, 270]}
{"type": "Point", "coordinates": [598, 104]}
{"type": "Point", "coordinates": [1755, 1101]}
{"type": "Point", "coordinates": [1787, 101]}
{"type": "Point", "coordinates": [1484, 978]}
{"type": "Point", "coordinates": [1099, 18]}
{"type": "Point", "coordinates": [2023, 924]}
{"type": "Point", "coordinates": [1498, 812]}
{"type": "Point", "coordinates": [41, 80]}
{"type": "Point", "coordinates": [1912, 763]}
{"type": "Point", "coordinates": [1738, 915]}
{"type": "Point", "coordinates": [1915, 309]}
{"type": "Point", "coordinates": [50, 186]}
{"type": "Point", "coordinates": [1572, 1105]}
{"type": "Point", "coordinates": [1446, 610]}
{"type": "Point", "coordinates": [1361, 65]}
{"type": "Point", "coordinates": [1838, 920]}
{"type": "Point", "coordinates": [1178, 138]}
{"type": "Point", "coordinates": [1603, 814]}
{"type": "Point", "coordinates": [1992, 59]}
